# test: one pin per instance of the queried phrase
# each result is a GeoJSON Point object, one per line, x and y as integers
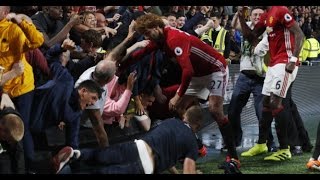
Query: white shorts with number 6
{"type": "Point", "coordinates": [210, 85]}
{"type": "Point", "coordinates": [278, 80]}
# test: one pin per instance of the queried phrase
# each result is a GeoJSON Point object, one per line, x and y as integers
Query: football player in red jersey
{"type": "Point", "coordinates": [204, 71]}
{"type": "Point", "coordinates": [285, 41]}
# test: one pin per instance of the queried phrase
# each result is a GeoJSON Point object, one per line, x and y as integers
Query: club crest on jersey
{"type": "Point", "coordinates": [178, 51]}
{"type": "Point", "coordinates": [270, 20]}
{"type": "Point", "coordinates": [287, 17]}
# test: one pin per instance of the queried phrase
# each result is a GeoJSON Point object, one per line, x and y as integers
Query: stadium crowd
{"type": "Point", "coordinates": [118, 65]}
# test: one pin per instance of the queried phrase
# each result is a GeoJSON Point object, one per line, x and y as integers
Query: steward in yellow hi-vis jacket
{"type": "Point", "coordinates": [218, 37]}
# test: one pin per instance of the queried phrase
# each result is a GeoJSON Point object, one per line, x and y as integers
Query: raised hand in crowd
{"type": "Point", "coordinates": [131, 31]}
{"type": "Point", "coordinates": [68, 44]}
{"type": "Point", "coordinates": [131, 80]}
{"type": "Point", "coordinates": [116, 17]}
{"type": "Point", "coordinates": [75, 19]}
{"type": "Point", "coordinates": [6, 101]}
{"type": "Point", "coordinates": [109, 31]}
{"type": "Point", "coordinates": [140, 44]}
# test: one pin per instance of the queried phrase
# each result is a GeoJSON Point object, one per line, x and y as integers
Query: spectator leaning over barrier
{"type": "Point", "coordinates": [102, 73]}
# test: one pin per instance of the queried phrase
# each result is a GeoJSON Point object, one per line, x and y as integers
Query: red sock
{"type": "Point", "coordinates": [275, 112]}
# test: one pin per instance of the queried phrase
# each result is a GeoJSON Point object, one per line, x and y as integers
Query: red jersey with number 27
{"type": "Point", "coordinates": [277, 21]}
{"type": "Point", "coordinates": [195, 57]}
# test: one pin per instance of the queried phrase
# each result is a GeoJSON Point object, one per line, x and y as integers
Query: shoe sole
{"type": "Point", "coordinates": [249, 155]}
{"type": "Point", "coordinates": [277, 158]}
{"type": "Point", "coordinates": [64, 161]}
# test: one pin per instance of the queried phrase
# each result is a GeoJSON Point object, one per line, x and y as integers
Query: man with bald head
{"type": "Point", "coordinates": [101, 20]}
{"type": "Point", "coordinates": [102, 73]}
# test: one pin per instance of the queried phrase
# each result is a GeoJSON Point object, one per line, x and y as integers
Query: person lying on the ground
{"type": "Point", "coordinates": [158, 150]}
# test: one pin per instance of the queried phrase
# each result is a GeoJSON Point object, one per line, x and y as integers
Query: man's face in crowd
{"type": "Point", "coordinates": [154, 34]}
{"type": "Point", "coordinates": [55, 12]}
{"type": "Point", "coordinates": [147, 100]}
{"type": "Point", "coordinates": [255, 15]}
{"type": "Point", "coordinates": [172, 21]}
{"type": "Point", "coordinates": [87, 98]}
{"type": "Point", "coordinates": [101, 20]}
{"type": "Point", "coordinates": [181, 21]}
{"type": "Point", "coordinates": [90, 8]}
{"type": "Point", "coordinates": [216, 22]}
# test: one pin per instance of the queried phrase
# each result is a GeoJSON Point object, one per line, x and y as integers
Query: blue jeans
{"type": "Point", "coordinates": [121, 158]}
{"type": "Point", "coordinates": [240, 96]}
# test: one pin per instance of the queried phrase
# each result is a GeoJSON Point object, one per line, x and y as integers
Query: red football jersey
{"type": "Point", "coordinates": [277, 21]}
{"type": "Point", "coordinates": [195, 57]}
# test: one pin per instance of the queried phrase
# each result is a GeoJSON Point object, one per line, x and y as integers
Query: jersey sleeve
{"type": "Point", "coordinates": [181, 50]}
{"type": "Point", "coordinates": [285, 17]}
{"type": "Point", "coordinates": [137, 55]}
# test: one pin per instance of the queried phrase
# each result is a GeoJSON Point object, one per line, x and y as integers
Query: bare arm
{"type": "Point", "coordinates": [6, 101]}
{"type": "Point", "coordinates": [97, 123]}
{"type": "Point", "coordinates": [140, 44]}
{"type": "Point", "coordinates": [251, 35]}
{"type": "Point", "coordinates": [16, 70]}
{"type": "Point", "coordinates": [204, 28]}
{"type": "Point", "coordinates": [189, 166]}
{"type": "Point", "coordinates": [298, 42]}
{"type": "Point", "coordinates": [62, 34]}
{"type": "Point", "coordinates": [119, 52]}
{"type": "Point", "coordinates": [298, 38]}
{"type": "Point", "coordinates": [235, 22]}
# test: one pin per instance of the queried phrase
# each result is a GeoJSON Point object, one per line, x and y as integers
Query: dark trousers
{"type": "Point", "coordinates": [121, 158]}
{"type": "Point", "coordinates": [316, 151]}
{"type": "Point", "coordinates": [23, 104]}
{"type": "Point", "coordinates": [240, 96]}
{"type": "Point", "coordinates": [297, 134]}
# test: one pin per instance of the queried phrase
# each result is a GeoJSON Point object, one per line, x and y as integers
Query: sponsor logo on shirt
{"type": "Point", "coordinates": [287, 17]}
{"type": "Point", "coordinates": [178, 51]}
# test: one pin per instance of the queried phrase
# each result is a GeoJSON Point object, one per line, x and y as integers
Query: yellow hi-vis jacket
{"type": "Point", "coordinates": [219, 45]}
{"type": "Point", "coordinates": [310, 49]}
